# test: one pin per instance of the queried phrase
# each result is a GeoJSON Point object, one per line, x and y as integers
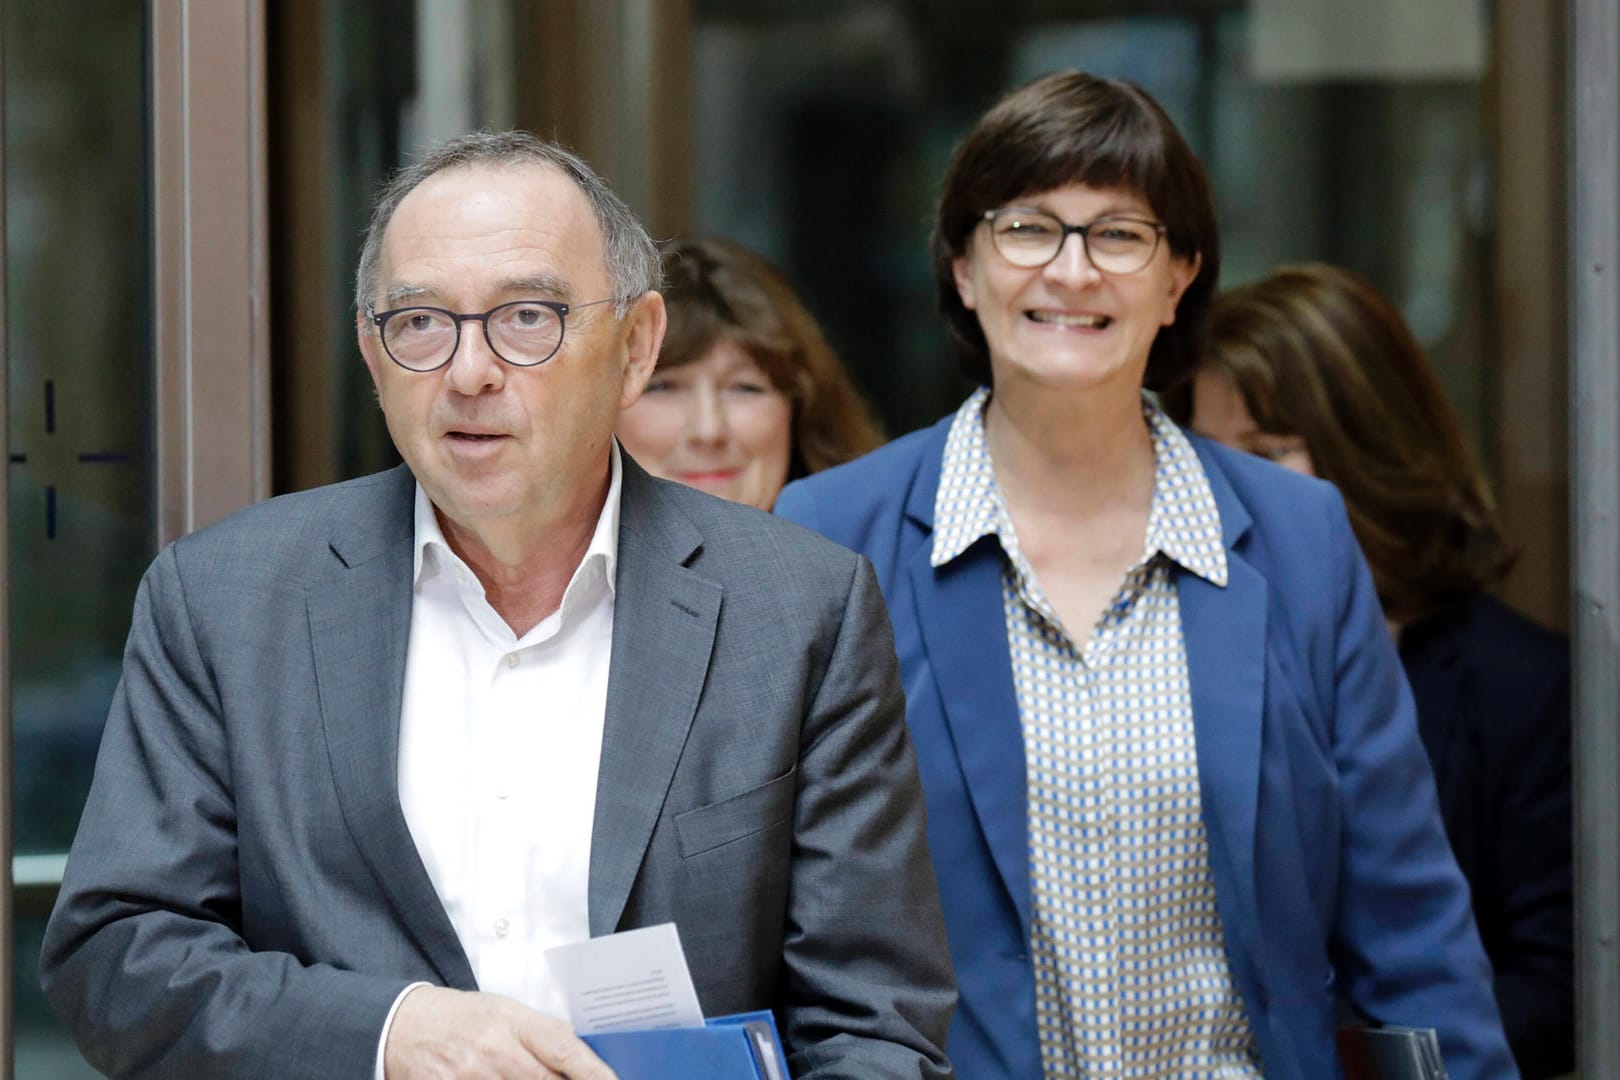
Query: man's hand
{"type": "Point", "coordinates": [441, 1034]}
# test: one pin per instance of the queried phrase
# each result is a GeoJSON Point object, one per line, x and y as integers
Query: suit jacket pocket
{"type": "Point", "coordinates": [755, 810]}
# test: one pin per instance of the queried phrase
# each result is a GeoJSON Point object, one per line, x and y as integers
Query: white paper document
{"type": "Point", "coordinates": [634, 980]}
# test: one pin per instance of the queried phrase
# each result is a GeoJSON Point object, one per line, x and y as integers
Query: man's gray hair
{"type": "Point", "coordinates": [628, 252]}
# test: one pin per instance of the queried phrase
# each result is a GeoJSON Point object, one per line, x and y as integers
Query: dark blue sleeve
{"type": "Point", "coordinates": [1535, 982]}
{"type": "Point", "coordinates": [1403, 938]}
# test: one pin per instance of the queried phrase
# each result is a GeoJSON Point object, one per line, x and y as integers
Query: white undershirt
{"type": "Point", "coordinates": [500, 740]}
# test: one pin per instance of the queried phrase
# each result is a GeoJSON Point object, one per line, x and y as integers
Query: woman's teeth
{"type": "Point", "coordinates": [1090, 322]}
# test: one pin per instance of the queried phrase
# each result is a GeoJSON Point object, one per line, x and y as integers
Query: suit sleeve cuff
{"type": "Point", "coordinates": [388, 1023]}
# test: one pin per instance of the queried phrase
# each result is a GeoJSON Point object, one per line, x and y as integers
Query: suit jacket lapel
{"type": "Point", "coordinates": [359, 619]}
{"type": "Point", "coordinates": [1225, 634]}
{"type": "Point", "coordinates": [959, 605]}
{"type": "Point", "coordinates": [664, 620]}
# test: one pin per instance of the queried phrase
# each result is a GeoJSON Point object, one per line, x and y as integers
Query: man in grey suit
{"type": "Point", "coordinates": [380, 744]}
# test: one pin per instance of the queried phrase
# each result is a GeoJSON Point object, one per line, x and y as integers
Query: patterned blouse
{"type": "Point", "coordinates": [1131, 978]}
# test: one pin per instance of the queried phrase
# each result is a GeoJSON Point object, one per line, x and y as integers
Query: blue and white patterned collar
{"type": "Point", "coordinates": [1184, 522]}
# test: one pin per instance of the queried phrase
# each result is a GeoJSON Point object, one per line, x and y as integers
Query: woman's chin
{"type": "Point", "coordinates": [1070, 371]}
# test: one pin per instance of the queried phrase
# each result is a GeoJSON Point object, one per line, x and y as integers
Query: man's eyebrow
{"type": "Point", "coordinates": [398, 293]}
{"type": "Point", "coordinates": [548, 285]}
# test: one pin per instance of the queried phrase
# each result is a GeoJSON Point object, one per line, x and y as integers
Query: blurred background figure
{"type": "Point", "coordinates": [1177, 802]}
{"type": "Point", "coordinates": [1312, 368]}
{"type": "Point", "coordinates": [747, 394]}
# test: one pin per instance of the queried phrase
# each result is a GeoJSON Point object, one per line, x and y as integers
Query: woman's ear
{"type": "Point", "coordinates": [1183, 272]}
{"type": "Point", "coordinates": [964, 282]}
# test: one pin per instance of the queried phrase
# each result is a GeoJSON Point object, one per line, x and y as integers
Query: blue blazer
{"type": "Point", "coordinates": [1332, 873]}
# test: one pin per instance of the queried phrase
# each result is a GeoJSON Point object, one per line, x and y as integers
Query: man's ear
{"type": "Point", "coordinates": [1183, 272]}
{"type": "Point", "coordinates": [645, 324]}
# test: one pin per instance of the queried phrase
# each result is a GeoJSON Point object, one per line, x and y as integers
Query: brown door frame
{"type": "Point", "coordinates": [211, 279]}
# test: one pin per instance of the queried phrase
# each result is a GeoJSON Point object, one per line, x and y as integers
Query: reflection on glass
{"type": "Point", "coordinates": [79, 358]}
{"type": "Point", "coordinates": [79, 367]}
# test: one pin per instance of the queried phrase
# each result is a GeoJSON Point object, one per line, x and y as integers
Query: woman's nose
{"type": "Point", "coordinates": [708, 418]}
{"type": "Point", "coordinates": [1072, 264]}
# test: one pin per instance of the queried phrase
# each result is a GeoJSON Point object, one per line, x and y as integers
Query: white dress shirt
{"type": "Point", "coordinates": [500, 740]}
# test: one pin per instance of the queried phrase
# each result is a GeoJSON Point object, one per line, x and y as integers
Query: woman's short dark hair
{"type": "Point", "coordinates": [715, 291]}
{"type": "Point", "coordinates": [1315, 351]}
{"type": "Point", "coordinates": [1074, 128]}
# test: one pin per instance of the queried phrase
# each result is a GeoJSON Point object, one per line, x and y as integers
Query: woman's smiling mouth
{"type": "Point", "coordinates": [1059, 318]}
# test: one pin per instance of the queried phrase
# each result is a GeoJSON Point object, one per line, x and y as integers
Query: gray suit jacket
{"type": "Point", "coordinates": [244, 899]}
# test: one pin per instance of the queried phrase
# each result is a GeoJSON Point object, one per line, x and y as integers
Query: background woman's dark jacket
{"type": "Point", "coordinates": [1492, 692]}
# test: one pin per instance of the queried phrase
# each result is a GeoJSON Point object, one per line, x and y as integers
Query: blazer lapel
{"type": "Point", "coordinates": [958, 605]}
{"type": "Point", "coordinates": [359, 619]}
{"type": "Point", "coordinates": [1225, 634]}
{"type": "Point", "coordinates": [664, 620]}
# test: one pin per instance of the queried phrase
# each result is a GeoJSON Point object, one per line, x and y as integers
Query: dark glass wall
{"type": "Point", "coordinates": [821, 132]}
{"type": "Point", "coordinates": [79, 361]}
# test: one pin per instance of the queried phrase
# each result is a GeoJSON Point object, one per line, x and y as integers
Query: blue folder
{"type": "Point", "coordinates": [744, 1046]}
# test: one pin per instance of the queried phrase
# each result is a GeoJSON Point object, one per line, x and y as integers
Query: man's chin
{"type": "Point", "coordinates": [472, 506]}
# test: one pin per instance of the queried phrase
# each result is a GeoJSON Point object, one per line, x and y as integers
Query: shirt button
{"type": "Point", "coordinates": [502, 927]}
{"type": "Point", "coordinates": [511, 660]}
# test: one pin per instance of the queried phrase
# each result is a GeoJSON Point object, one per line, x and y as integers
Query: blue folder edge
{"type": "Point", "coordinates": [742, 1046]}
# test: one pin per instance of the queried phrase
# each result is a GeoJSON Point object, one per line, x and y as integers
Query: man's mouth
{"type": "Point", "coordinates": [475, 436]}
{"type": "Point", "coordinates": [1058, 318]}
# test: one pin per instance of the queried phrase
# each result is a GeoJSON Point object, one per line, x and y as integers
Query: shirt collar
{"type": "Point", "coordinates": [603, 548]}
{"type": "Point", "coordinates": [967, 504]}
{"type": "Point", "coordinates": [1183, 522]}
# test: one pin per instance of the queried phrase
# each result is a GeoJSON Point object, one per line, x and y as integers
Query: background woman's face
{"type": "Point", "coordinates": [717, 424]}
{"type": "Point", "coordinates": [1220, 413]}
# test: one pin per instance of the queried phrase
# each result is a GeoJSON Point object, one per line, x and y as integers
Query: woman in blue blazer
{"type": "Point", "coordinates": [1177, 803]}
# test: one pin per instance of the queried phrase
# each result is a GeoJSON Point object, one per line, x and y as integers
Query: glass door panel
{"type": "Point", "coordinates": [79, 367]}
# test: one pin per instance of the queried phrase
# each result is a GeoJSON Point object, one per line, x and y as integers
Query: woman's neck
{"type": "Point", "coordinates": [1074, 455]}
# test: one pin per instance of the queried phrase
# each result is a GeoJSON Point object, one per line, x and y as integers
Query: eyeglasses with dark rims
{"type": "Point", "coordinates": [523, 333]}
{"type": "Point", "coordinates": [1032, 238]}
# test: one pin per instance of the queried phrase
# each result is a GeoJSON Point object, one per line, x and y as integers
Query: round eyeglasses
{"type": "Point", "coordinates": [523, 333]}
{"type": "Point", "coordinates": [1031, 238]}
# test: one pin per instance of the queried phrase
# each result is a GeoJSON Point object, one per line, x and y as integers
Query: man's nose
{"type": "Point", "coordinates": [474, 368]}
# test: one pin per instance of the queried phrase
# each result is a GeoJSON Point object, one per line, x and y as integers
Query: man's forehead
{"type": "Point", "coordinates": [507, 214]}
{"type": "Point", "coordinates": [526, 195]}
{"type": "Point", "coordinates": [497, 173]}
